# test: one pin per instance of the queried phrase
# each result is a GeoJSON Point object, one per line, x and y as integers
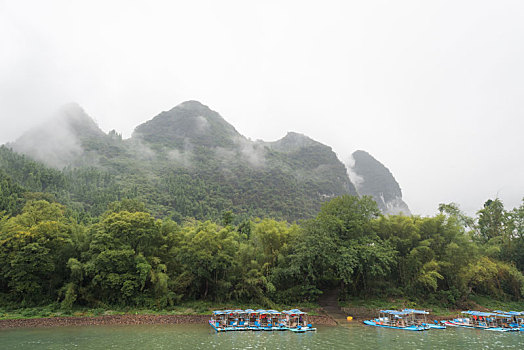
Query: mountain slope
{"type": "Point", "coordinates": [188, 162]}
{"type": "Point", "coordinates": [372, 178]}
{"type": "Point", "coordinates": [191, 122]}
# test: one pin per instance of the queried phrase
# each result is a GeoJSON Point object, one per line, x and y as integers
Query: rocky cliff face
{"type": "Point", "coordinates": [372, 178]}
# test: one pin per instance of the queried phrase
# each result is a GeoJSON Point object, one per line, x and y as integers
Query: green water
{"type": "Point", "coordinates": [202, 337]}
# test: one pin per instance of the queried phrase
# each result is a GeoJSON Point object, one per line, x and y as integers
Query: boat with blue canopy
{"type": "Point", "coordinates": [490, 321]}
{"type": "Point", "coordinates": [297, 321]}
{"type": "Point", "coordinates": [260, 320]}
{"type": "Point", "coordinates": [252, 318]}
{"type": "Point", "coordinates": [219, 321]}
{"type": "Point", "coordinates": [396, 320]}
{"type": "Point", "coordinates": [277, 321]}
{"type": "Point", "coordinates": [419, 317]}
{"type": "Point", "coordinates": [512, 319]}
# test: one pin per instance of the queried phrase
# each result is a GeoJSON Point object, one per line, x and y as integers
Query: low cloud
{"type": "Point", "coordinates": [356, 179]}
{"type": "Point", "coordinates": [253, 152]}
{"type": "Point", "coordinates": [54, 142]}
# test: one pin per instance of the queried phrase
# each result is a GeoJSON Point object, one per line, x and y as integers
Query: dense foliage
{"type": "Point", "coordinates": [203, 190]}
{"type": "Point", "coordinates": [126, 256]}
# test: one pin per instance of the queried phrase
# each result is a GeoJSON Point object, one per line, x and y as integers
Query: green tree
{"type": "Point", "coordinates": [34, 249]}
{"type": "Point", "coordinates": [492, 220]}
{"type": "Point", "coordinates": [208, 253]}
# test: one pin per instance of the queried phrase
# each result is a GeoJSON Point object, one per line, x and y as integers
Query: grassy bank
{"type": "Point", "coordinates": [188, 308]}
{"type": "Point", "coordinates": [206, 308]}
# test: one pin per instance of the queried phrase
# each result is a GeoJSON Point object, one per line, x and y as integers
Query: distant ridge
{"type": "Point", "coordinates": [190, 162]}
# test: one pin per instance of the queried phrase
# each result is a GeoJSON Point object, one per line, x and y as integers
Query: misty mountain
{"type": "Point", "coordinates": [372, 178]}
{"type": "Point", "coordinates": [185, 162]}
{"type": "Point", "coordinates": [70, 138]}
{"type": "Point", "coordinates": [190, 122]}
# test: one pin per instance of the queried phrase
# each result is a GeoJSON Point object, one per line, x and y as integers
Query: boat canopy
{"type": "Point", "coordinates": [481, 313]}
{"type": "Point", "coordinates": [395, 312]}
{"type": "Point", "coordinates": [510, 313]}
{"type": "Point", "coordinates": [259, 311]}
{"type": "Point", "coordinates": [297, 311]}
{"type": "Point", "coordinates": [293, 312]}
{"type": "Point", "coordinates": [413, 311]}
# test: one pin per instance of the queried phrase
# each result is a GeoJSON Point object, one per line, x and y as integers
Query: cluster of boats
{"type": "Point", "coordinates": [416, 320]}
{"type": "Point", "coordinates": [260, 320]}
{"type": "Point", "coordinates": [407, 319]}
{"type": "Point", "coordinates": [500, 321]}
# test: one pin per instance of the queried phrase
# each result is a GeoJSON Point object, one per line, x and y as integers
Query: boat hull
{"type": "Point", "coordinates": [302, 329]}
{"type": "Point", "coordinates": [493, 329]}
{"type": "Point", "coordinates": [407, 328]}
{"type": "Point", "coordinates": [436, 326]}
{"type": "Point", "coordinates": [254, 328]}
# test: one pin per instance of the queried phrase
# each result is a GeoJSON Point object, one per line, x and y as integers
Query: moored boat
{"type": "Point", "coordinates": [397, 320]}
{"type": "Point", "coordinates": [218, 321]}
{"type": "Point", "coordinates": [490, 321]}
{"type": "Point", "coordinates": [277, 321]}
{"type": "Point", "coordinates": [252, 319]}
{"type": "Point", "coordinates": [419, 317]}
{"type": "Point", "coordinates": [260, 320]}
{"type": "Point", "coordinates": [512, 319]}
{"type": "Point", "coordinates": [297, 321]}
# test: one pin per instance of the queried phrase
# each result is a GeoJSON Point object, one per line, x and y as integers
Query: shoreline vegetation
{"type": "Point", "coordinates": [54, 265]}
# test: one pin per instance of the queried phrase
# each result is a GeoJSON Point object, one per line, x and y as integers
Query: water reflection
{"type": "Point", "coordinates": [202, 337]}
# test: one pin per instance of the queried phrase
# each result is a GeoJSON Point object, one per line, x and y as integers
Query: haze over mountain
{"type": "Point", "coordinates": [372, 178]}
{"type": "Point", "coordinates": [60, 141]}
{"type": "Point", "coordinates": [190, 162]}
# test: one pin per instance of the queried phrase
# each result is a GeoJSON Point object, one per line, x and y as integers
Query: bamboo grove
{"type": "Point", "coordinates": [128, 257]}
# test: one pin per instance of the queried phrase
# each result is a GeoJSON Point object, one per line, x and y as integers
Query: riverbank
{"type": "Point", "coordinates": [125, 320]}
{"type": "Point", "coordinates": [199, 312]}
{"type": "Point", "coordinates": [361, 309]}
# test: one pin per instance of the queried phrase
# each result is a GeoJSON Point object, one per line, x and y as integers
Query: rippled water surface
{"type": "Point", "coordinates": [202, 337]}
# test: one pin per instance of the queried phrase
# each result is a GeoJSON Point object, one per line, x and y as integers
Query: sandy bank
{"type": "Point", "coordinates": [125, 320]}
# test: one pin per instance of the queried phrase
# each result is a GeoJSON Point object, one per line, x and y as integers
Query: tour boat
{"type": "Point", "coordinates": [512, 319]}
{"type": "Point", "coordinates": [397, 320]}
{"type": "Point", "coordinates": [260, 320]}
{"type": "Point", "coordinates": [490, 321]}
{"type": "Point", "coordinates": [424, 321]}
{"type": "Point", "coordinates": [297, 321]}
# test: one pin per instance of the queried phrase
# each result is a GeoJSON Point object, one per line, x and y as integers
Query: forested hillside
{"type": "Point", "coordinates": [184, 163]}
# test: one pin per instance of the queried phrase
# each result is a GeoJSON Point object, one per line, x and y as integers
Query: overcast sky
{"type": "Point", "coordinates": [432, 89]}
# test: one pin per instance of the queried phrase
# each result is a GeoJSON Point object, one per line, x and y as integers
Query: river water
{"type": "Point", "coordinates": [356, 336]}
